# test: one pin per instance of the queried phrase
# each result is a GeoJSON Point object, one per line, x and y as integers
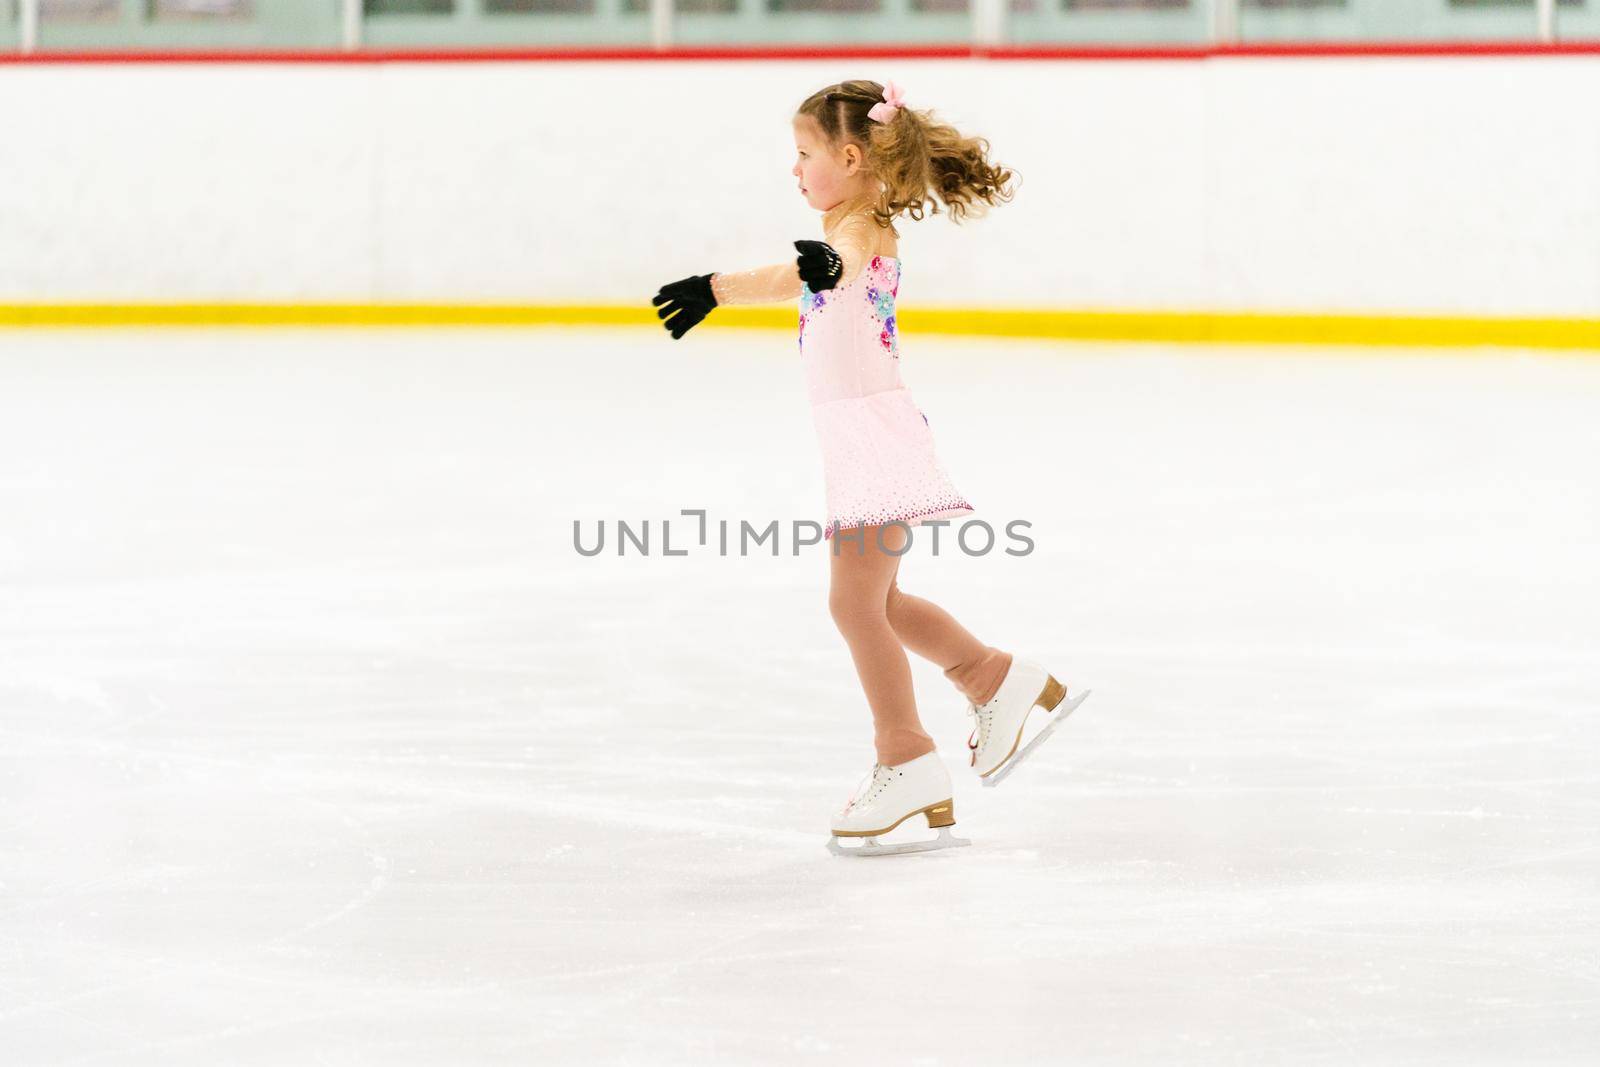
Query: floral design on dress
{"type": "Point", "coordinates": [882, 303]}
{"type": "Point", "coordinates": [810, 303]}
{"type": "Point", "coordinates": [879, 300]}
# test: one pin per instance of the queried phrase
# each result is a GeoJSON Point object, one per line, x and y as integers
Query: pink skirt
{"type": "Point", "coordinates": [879, 464]}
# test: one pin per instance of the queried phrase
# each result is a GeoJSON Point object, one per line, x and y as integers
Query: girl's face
{"type": "Point", "coordinates": [827, 177]}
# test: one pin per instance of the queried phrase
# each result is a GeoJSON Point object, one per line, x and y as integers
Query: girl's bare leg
{"type": "Point", "coordinates": [861, 575]}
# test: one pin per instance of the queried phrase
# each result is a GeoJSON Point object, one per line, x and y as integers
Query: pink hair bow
{"type": "Point", "coordinates": [893, 100]}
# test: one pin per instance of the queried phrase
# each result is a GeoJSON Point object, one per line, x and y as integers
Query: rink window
{"type": "Point", "coordinates": [1138, 5]}
{"type": "Point", "coordinates": [824, 6]}
{"type": "Point", "coordinates": [166, 10]}
{"type": "Point", "coordinates": [79, 10]}
{"type": "Point", "coordinates": [842, 6]}
{"type": "Point", "coordinates": [1103, 5]}
{"type": "Point", "coordinates": [177, 10]}
{"type": "Point", "coordinates": [538, 7]}
{"type": "Point", "coordinates": [688, 7]}
{"type": "Point", "coordinates": [407, 7]}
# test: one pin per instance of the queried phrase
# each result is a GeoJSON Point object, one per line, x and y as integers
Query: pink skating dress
{"type": "Point", "coordinates": [879, 464]}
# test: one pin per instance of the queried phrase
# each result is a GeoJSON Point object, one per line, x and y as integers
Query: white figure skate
{"type": "Point", "coordinates": [887, 797]}
{"type": "Point", "coordinates": [999, 722]}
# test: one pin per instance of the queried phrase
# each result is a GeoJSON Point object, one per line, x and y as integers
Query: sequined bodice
{"type": "Point", "coordinates": [848, 339]}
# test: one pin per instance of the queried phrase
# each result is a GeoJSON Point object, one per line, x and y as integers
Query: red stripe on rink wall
{"type": "Point", "coordinates": [701, 54]}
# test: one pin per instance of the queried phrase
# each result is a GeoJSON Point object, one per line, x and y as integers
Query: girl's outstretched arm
{"type": "Point", "coordinates": [684, 303]}
{"type": "Point", "coordinates": [759, 285]}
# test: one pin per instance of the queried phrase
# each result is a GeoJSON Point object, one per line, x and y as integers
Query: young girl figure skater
{"type": "Point", "coordinates": [863, 159]}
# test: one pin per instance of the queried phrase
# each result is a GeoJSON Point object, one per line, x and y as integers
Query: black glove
{"type": "Point", "coordinates": [820, 265]}
{"type": "Point", "coordinates": [690, 298]}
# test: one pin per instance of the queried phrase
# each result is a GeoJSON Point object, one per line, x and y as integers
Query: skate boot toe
{"type": "Point", "coordinates": [999, 724]}
{"type": "Point", "coordinates": [888, 797]}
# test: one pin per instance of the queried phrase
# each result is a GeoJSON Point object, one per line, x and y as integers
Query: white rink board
{"type": "Point", "coordinates": [319, 744]}
{"type": "Point", "coordinates": [1447, 185]}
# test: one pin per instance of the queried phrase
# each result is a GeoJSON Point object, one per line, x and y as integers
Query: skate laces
{"type": "Point", "coordinates": [980, 727]}
{"type": "Point", "coordinates": [866, 787]}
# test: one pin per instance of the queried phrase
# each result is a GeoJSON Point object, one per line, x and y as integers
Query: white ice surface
{"type": "Point", "coordinates": [320, 744]}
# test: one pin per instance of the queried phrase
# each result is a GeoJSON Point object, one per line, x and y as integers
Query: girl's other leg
{"type": "Point", "coordinates": [928, 630]}
{"type": "Point", "coordinates": [860, 577]}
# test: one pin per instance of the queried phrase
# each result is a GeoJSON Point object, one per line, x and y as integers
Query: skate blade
{"type": "Point", "coordinates": [1061, 712]}
{"type": "Point", "coordinates": [871, 846]}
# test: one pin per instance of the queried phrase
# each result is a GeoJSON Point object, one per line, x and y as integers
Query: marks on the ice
{"type": "Point", "coordinates": [593, 808]}
{"type": "Point", "coordinates": [59, 688]}
{"type": "Point", "coordinates": [1475, 813]}
{"type": "Point", "coordinates": [362, 897]}
{"type": "Point", "coordinates": [201, 1037]}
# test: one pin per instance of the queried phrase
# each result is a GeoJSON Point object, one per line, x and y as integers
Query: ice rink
{"type": "Point", "coordinates": [320, 743]}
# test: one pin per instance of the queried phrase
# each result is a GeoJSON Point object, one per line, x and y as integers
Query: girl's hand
{"type": "Point", "coordinates": [687, 300]}
{"type": "Point", "coordinates": [820, 265]}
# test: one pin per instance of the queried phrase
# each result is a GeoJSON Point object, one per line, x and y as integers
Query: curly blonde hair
{"type": "Point", "coordinates": [920, 160]}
